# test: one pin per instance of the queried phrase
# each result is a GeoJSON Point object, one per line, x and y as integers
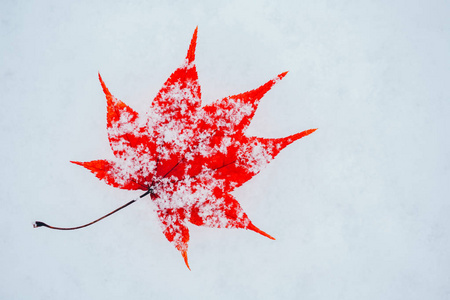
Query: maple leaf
{"type": "Point", "coordinates": [188, 158]}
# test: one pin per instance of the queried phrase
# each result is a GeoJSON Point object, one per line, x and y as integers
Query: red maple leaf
{"type": "Point", "coordinates": [188, 158]}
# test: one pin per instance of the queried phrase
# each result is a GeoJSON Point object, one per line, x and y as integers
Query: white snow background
{"type": "Point", "coordinates": [360, 208]}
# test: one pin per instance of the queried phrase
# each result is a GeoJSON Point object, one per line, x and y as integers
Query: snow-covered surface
{"type": "Point", "coordinates": [359, 208]}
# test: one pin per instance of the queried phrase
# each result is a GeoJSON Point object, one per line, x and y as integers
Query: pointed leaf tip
{"type": "Point", "coordinates": [302, 134]}
{"type": "Point", "coordinates": [282, 75]}
{"type": "Point", "coordinates": [184, 254]}
{"type": "Point", "coordinates": [191, 52]}
{"type": "Point", "coordinates": [309, 131]}
{"type": "Point", "coordinates": [256, 229]}
{"type": "Point", "coordinates": [105, 89]}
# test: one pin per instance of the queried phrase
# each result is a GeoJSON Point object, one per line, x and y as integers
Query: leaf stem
{"type": "Point", "coordinates": [42, 224]}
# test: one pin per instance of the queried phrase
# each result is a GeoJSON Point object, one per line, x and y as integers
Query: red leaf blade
{"type": "Point", "coordinates": [188, 157]}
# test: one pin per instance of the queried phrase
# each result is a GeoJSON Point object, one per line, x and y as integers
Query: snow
{"type": "Point", "coordinates": [359, 208]}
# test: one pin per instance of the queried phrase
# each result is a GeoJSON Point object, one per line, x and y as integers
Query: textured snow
{"type": "Point", "coordinates": [359, 209]}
